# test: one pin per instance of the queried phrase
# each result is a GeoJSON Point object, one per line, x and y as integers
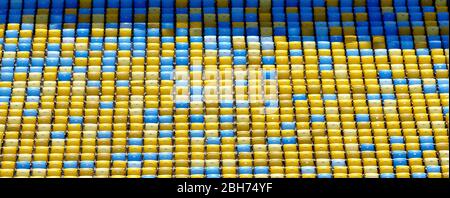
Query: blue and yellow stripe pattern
{"type": "Point", "coordinates": [224, 88]}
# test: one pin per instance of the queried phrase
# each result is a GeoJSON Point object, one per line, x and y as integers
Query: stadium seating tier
{"type": "Point", "coordinates": [224, 88]}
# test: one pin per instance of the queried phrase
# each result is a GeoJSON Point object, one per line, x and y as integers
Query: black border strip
{"type": "Point", "coordinates": [170, 186]}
